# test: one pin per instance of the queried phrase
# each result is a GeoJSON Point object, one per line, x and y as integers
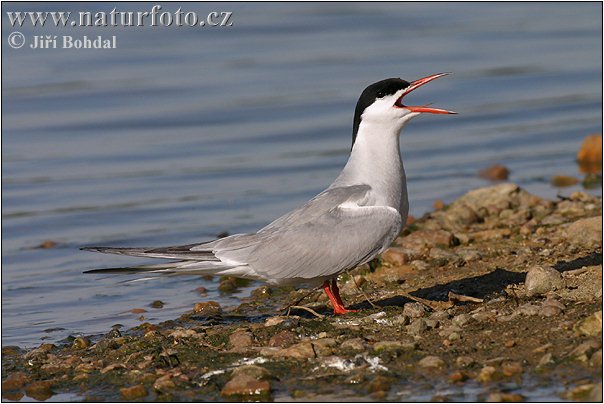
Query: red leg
{"type": "Point", "coordinates": [333, 293]}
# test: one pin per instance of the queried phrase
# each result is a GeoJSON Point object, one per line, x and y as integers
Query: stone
{"type": "Point", "coordinates": [255, 371]}
{"type": "Point", "coordinates": [496, 172]}
{"type": "Point", "coordinates": [324, 346]}
{"type": "Point", "coordinates": [584, 351]}
{"type": "Point", "coordinates": [461, 319]}
{"type": "Point", "coordinates": [164, 383]}
{"type": "Point", "coordinates": [414, 310]}
{"type": "Point", "coordinates": [81, 343]}
{"type": "Point", "coordinates": [486, 374]}
{"type": "Point", "coordinates": [585, 233]}
{"type": "Point", "coordinates": [15, 381]}
{"type": "Point", "coordinates": [241, 339]}
{"type": "Point", "coordinates": [589, 155]}
{"type": "Point", "coordinates": [282, 339]}
{"type": "Point", "coordinates": [40, 390]}
{"type": "Point", "coordinates": [542, 279]}
{"type": "Point", "coordinates": [465, 361]}
{"type": "Point", "coordinates": [395, 256]}
{"type": "Point", "coordinates": [431, 362]}
{"type": "Point", "coordinates": [209, 308]}
{"type": "Point", "coordinates": [354, 344]}
{"type": "Point", "coordinates": [417, 326]}
{"type": "Point", "coordinates": [245, 385]}
{"type": "Point", "coordinates": [133, 392]}
{"type": "Point", "coordinates": [302, 350]}
{"type": "Point", "coordinates": [561, 181]}
{"type": "Point", "coordinates": [545, 360]}
{"type": "Point", "coordinates": [591, 325]}
{"type": "Point", "coordinates": [501, 397]}
{"type": "Point", "coordinates": [388, 346]}
{"type": "Point", "coordinates": [511, 368]}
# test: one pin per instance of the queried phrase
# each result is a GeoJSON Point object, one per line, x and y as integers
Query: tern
{"type": "Point", "coordinates": [348, 224]}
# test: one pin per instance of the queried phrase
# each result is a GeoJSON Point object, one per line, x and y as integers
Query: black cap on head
{"type": "Point", "coordinates": [370, 94]}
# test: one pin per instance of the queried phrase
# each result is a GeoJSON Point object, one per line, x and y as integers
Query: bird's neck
{"type": "Point", "coordinates": [375, 160]}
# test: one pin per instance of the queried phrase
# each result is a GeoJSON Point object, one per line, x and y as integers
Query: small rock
{"type": "Point", "coordinates": [540, 280]}
{"type": "Point", "coordinates": [138, 311]}
{"type": "Point", "coordinates": [510, 343]}
{"type": "Point", "coordinates": [302, 350]}
{"type": "Point", "coordinates": [561, 181]}
{"type": "Point", "coordinates": [585, 233]}
{"type": "Point", "coordinates": [527, 309]}
{"type": "Point", "coordinates": [289, 321]}
{"type": "Point", "coordinates": [438, 204]}
{"type": "Point", "coordinates": [133, 392]}
{"type": "Point", "coordinates": [461, 319]}
{"type": "Point", "coordinates": [395, 256]}
{"type": "Point", "coordinates": [81, 343]}
{"type": "Point", "coordinates": [591, 325]}
{"type": "Point", "coordinates": [464, 361]}
{"type": "Point", "coordinates": [511, 368]}
{"type": "Point", "coordinates": [47, 244]}
{"type": "Point", "coordinates": [282, 339]}
{"type": "Point", "coordinates": [15, 381]}
{"type": "Point", "coordinates": [157, 304]}
{"type": "Point", "coordinates": [40, 390]}
{"type": "Point", "coordinates": [414, 310]}
{"type": "Point", "coordinates": [589, 155]}
{"type": "Point", "coordinates": [431, 362]}
{"type": "Point", "coordinates": [261, 293]}
{"type": "Point", "coordinates": [254, 371]}
{"type": "Point", "coordinates": [164, 384]}
{"type": "Point", "coordinates": [417, 327]}
{"type": "Point", "coordinates": [545, 360]}
{"type": "Point", "coordinates": [486, 374]}
{"type": "Point", "coordinates": [454, 337]}
{"type": "Point", "coordinates": [505, 398]}
{"type": "Point", "coordinates": [469, 254]}
{"type": "Point", "coordinates": [423, 239]}
{"type": "Point", "coordinates": [241, 339]}
{"type": "Point", "coordinates": [209, 308]}
{"type": "Point", "coordinates": [583, 392]}
{"type": "Point", "coordinates": [388, 346]}
{"type": "Point", "coordinates": [584, 351]}
{"type": "Point", "coordinates": [246, 386]}
{"type": "Point", "coordinates": [496, 172]}
{"type": "Point", "coordinates": [420, 265]}
{"type": "Point", "coordinates": [324, 346]}
{"type": "Point", "coordinates": [354, 344]}
{"type": "Point", "coordinates": [458, 376]}
{"type": "Point", "coordinates": [551, 307]}
{"type": "Point", "coordinates": [113, 366]}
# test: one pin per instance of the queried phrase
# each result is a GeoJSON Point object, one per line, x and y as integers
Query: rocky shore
{"type": "Point", "coordinates": [497, 296]}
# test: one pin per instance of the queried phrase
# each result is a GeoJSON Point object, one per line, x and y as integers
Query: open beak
{"type": "Point", "coordinates": [425, 108]}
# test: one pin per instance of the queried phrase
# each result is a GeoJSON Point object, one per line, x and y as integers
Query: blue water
{"type": "Point", "coordinates": [183, 133]}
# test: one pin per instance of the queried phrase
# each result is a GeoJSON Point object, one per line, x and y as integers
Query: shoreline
{"type": "Point", "coordinates": [493, 297]}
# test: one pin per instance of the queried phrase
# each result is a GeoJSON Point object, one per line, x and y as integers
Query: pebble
{"type": "Point", "coordinates": [246, 385]}
{"type": "Point", "coordinates": [469, 254]}
{"type": "Point", "coordinates": [438, 204]}
{"type": "Point", "coordinates": [209, 308]}
{"type": "Point", "coordinates": [420, 265]}
{"type": "Point", "coordinates": [157, 304]}
{"type": "Point", "coordinates": [486, 374]}
{"type": "Point", "coordinates": [47, 244]}
{"type": "Point", "coordinates": [282, 339]}
{"type": "Point", "coordinates": [302, 350]}
{"type": "Point", "coordinates": [431, 362]}
{"type": "Point", "coordinates": [388, 346]}
{"type": "Point", "coordinates": [505, 398]}
{"type": "Point", "coordinates": [545, 360]}
{"type": "Point", "coordinates": [40, 390]}
{"type": "Point", "coordinates": [354, 344]}
{"type": "Point", "coordinates": [15, 381]}
{"type": "Point", "coordinates": [511, 368]}
{"type": "Point", "coordinates": [461, 319]}
{"type": "Point", "coordinates": [585, 233]}
{"type": "Point", "coordinates": [255, 371]}
{"type": "Point", "coordinates": [465, 361]}
{"type": "Point", "coordinates": [241, 339]}
{"type": "Point", "coordinates": [496, 172]}
{"type": "Point", "coordinates": [286, 321]}
{"type": "Point", "coordinates": [589, 155]}
{"type": "Point", "coordinates": [590, 326]}
{"type": "Point", "coordinates": [164, 384]}
{"type": "Point", "coordinates": [417, 326]}
{"type": "Point", "coordinates": [551, 307]}
{"type": "Point", "coordinates": [561, 181]}
{"type": "Point", "coordinates": [414, 310]}
{"type": "Point", "coordinates": [395, 256]}
{"type": "Point", "coordinates": [81, 343]}
{"type": "Point", "coordinates": [584, 351]}
{"type": "Point", "coordinates": [542, 279]}
{"type": "Point", "coordinates": [133, 392]}
{"type": "Point", "coordinates": [454, 337]}
{"type": "Point", "coordinates": [527, 309]}
{"type": "Point", "coordinates": [458, 376]}
{"type": "Point", "coordinates": [261, 293]}
{"type": "Point", "coordinates": [324, 346]}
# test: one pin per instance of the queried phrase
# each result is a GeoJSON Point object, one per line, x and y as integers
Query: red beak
{"type": "Point", "coordinates": [425, 108]}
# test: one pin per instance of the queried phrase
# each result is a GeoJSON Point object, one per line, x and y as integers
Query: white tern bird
{"type": "Point", "coordinates": [348, 224]}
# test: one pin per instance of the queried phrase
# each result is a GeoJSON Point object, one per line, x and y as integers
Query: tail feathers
{"type": "Point", "coordinates": [171, 268]}
{"type": "Point", "coordinates": [178, 252]}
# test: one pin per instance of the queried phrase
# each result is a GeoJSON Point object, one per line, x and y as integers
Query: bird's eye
{"type": "Point", "coordinates": [381, 94]}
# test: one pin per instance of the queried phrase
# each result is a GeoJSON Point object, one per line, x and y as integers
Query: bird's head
{"type": "Point", "coordinates": [382, 103]}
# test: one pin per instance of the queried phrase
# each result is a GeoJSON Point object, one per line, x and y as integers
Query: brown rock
{"type": "Point", "coordinates": [282, 339]}
{"type": "Point", "coordinates": [589, 156]}
{"type": "Point", "coordinates": [209, 308]}
{"type": "Point", "coordinates": [584, 351]}
{"type": "Point", "coordinates": [458, 376]}
{"type": "Point", "coordinates": [138, 311]}
{"type": "Point", "coordinates": [81, 343]}
{"type": "Point", "coordinates": [324, 346]}
{"type": "Point", "coordinates": [431, 362]}
{"type": "Point", "coordinates": [395, 256]}
{"type": "Point", "coordinates": [255, 371]}
{"type": "Point", "coordinates": [241, 339]}
{"type": "Point", "coordinates": [302, 350]}
{"type": "Point", "coordinates": [486, 374]}
{"type": "Point", "coordinates": [423, 239]}
{"type": "Point", "coordinates": [164, 384]}
{"type": "Point", "coordinates": [439, 204]}
{"type": "Point", "coordinates": [505, 398]}
{"type": "Point", "coordinates": [586, 233]}
{"type": "Point", "coordinates": [40, 390]}
{"type": "Point", "coordinates": [355, 344]}
{"type": "Point", "coordinates": [496, 172]}
{"type": "Point", "coordinates": [542, 279]}
{"type": "Point", "coordinates": [591, 325]}
{"type": "Point", "coordinates": [511, 368]}
{"type": "Point", "coordinates": [47, 244]}
{"type": "Point", "coordinates": [133, 392]}
{"type": "Point", "coordinates": [561, 181]}
{"type": "Point", "coordinates": [15, 381]}
{"type": "Point", "coordinates": [246, 385]}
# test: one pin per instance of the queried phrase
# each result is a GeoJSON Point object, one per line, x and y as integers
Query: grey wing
{"type": "Point", "coordinates": [343, 237]}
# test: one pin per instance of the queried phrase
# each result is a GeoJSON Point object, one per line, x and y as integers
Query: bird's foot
{"type": "Point", "coordinates": [332, 291]}
{"type": "Point", "coordinates": [339, 310]}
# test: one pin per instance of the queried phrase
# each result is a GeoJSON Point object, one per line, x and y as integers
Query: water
{"type": "Point", "coordinates": [183, 133]}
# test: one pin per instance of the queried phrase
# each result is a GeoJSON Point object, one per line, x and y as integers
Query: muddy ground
{"type": "Point", "coordinates": [495, 297]}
